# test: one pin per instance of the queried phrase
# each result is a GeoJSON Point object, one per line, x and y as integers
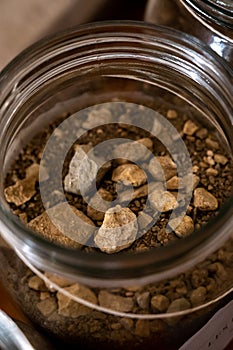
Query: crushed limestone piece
{"type": "Point", "coordinates": [47, 306]}
{"type": "Point", "coordinates": [70, 308]}
{"type": "Point", "coordinates": [64, 225]}
{"type": "Point", "coordinates": [167, 165]}
{"type": "Point", "coordinates": [160, 302]}
{"type": "Point", "coordinates": [184, 228]}
{"type": "Point", "coordinates": [115, 302]}
{"type": "Point", "coordinates": [221, 159]}
{"type": "Point", "coordinates": [82, 172]}
{"type": "Point", "coordinates": [118, 231]}
{"type": "Point", "coordinates": [133, 151]}
{"type": "Point", "coordinates": [23, 190]}
{"type": "Point", "coordinates": [163, 201]}
{"type": "Point", "coordinates": [190, 128]}
{"type": "Point", "coordinates": [129, 173]}
{"type": "Point", "coordinates": [204, 200]}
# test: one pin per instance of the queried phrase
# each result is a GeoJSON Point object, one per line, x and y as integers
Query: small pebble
{"type": "Point", "coordinates": [190, 128]}
{"type": "Point", "coordinates": [160, 302]}
{"type": "Point", "coordinates": [221, 159]}
{"type": "Point", "coordinates": [129, 174]}
{"type": "Point", "coordinates": [204, 200]}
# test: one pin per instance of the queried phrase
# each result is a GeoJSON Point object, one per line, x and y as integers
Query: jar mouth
{"type": "Point", "coordinates": [217, 12]}
{"type": "Point", "coordinates": [147, 266]}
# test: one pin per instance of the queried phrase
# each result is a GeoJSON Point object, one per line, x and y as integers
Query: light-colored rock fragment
{"type": "Point", "coordinates": [23, 190]}
{"type": "Point", "coordinates": [198, 296]}
{"type": "Point", "coordinates": [143, 300]}
{"type": "Point", "coordinates": [177, 305]}
{"type": "Point", "coordinates": [70, 308]}
{"type": "Point", "coordinates": [47, 306]}
{"type": "Point", "coordinates": [82, 173]}
{"type": "Point", "coordinates": [167, 165]}
{"type": "Point", "coordinates": [204, 200]}
{"type": "Point", "coordinates": [175, 182]}
{"type": "Point", "coordinates": [129, 173]}
{"type": "Point", "coordinates": [190, 128]}
{"type": "Point", "coordinates": [211, 172]}
{"type": "Point", "coordinates": [37, 283]}
{"type": "Point", "coordinates": [172, 114]}
{"type": "Point", "coordinates": [184, 228]}
{"type": "Point", "coordinates": [221, 159]}
{"type": "Point", "coordinates": [134, 151]}
{"type": "Point", "coordinates": [162, 201]}
{"type": "Point", "coordinates": [94, 203]}
{"type": "Point", "coordinates": [118, 231]}
{"type": "Point", "coordinates": [66, 231]}
{"type": "Point", "coordinates": [60, 281]}
{"type": "Point", "coordinates": [144, 220]}
{"type": "Point", "coordinates": [115, 302]}
{"type": "Point", "coordinates": [211, 143]}
{"type": "Point", "coordinates": [160, 302]}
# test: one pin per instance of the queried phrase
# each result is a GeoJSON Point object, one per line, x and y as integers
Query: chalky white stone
{"type": "Point", "coordinates": [82, 173]}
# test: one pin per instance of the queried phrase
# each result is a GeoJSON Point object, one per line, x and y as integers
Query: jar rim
{"type": "Point", "coordinates": [213, 12]}
{"type": "Point", "coordinates": [120, 266]}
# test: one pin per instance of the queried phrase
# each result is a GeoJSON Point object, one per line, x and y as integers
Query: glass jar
{"type": "Point", "coordinates": [87, 297]}
{"type": "Point", "coordinates": [211, 21]}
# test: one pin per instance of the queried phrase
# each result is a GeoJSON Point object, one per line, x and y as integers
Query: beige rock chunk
{"type": "Point", "coordinates": [160, 302]}
{"type": "Point", "coordinates": [82, 172]}
{"type": "Point", "coordinates": [94, 202]}
{"type": "Point", "coordinates": [204, 200]}
{"type": "Point", "coordinates": [37, 283]}
{"type": "Point", "coordinates": [129, 173]}
{"type": "Point", "coordinates": [211, 172]}
{"type": "Point", "coordinates": [47, 306]}
{"type": "Point", "coordinates": [115, 302]}
{"type": "Point", "coordinates": [143, 300]}
{"type": "Point", "coordinates": [211, 143]}
{"type": "Point", "coordinates": [198, 296]}
{"type": "Point", "coordinates": [175, 182]}
{"type": "Point", "coordinates": [221, 159]}
{"type": "Point", "coordinates": [66, 232]}
{"type": "Point", "coordinates": [133, 151]}
{"type": "Point", "coordinates": [167, 165]}
{"type": "Point", "coordinates": [144, 220]}
{"type": "Point", "coordinates": [176, 305]}
{"type": "Point", "coordinates": [118, 231]}
{"type": "Point", "coordinates": [60, 281]}
{"type": "Point", "coordinates": [184, 228]}
{"type": "Point", "coordinates": [190, 128]}
{"type": "Point", "coordinates": [70, 308]}
{"type": "Point", "coordinates": [163, 201]}
{"type": "Point", "coordinates": [172, 114]}
{"type": "Point", "coordinates": [23, 190]}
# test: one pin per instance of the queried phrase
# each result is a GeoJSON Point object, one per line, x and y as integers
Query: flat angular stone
{"type": "Point", "coordinates": [115, 302]}
{"type": "Point", "coordinates": [162, 201]}
{"type": "Point", "coordinates": [204, 200]}
{"type": "Point", "coordinates": [82, 173]}
{"type": "Point", "coordinates": [167, 165]}
{"type": "Point", "coordinates": [118, 231]}
{"type": "Point", "coordinates": [23, 190]}
{"type": "Point", "coordinates": [97, 116]}
{"type": "Point", "coordinates": [64, 224]}
{"type": "Point", "coordinates": [184, 228]}
{"type": "Point", "coordinates": [129, 173]}
{"type": "Point", "coordinates": [70, 308]}
{"type": "Point", "coordinates": [133, 151]}
{"type": "Point", "coordinates": [221, 159]}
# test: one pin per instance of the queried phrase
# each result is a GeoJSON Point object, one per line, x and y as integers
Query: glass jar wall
{"type": "Point", "coordinates": [210, 21]}
{"type": "Point", "coordinates": [91, 85]}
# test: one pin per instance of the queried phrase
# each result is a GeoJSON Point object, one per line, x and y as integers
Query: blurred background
{"type": "Point", "coordinates": [23, 22]}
